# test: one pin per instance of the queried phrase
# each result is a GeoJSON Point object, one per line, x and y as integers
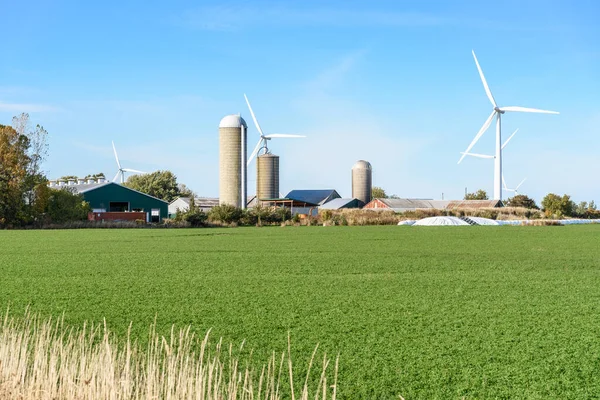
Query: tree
{"type": "Point", "coordinates": [63, 205]}
{"type": "Point", "coordinates": [37, 151]}
{"type": "Point", "coordinates": [479, 195]}
{"type": "Point", "coordinates": [521, 200]}
{"type": "Point", "coordinates": [95, 176]}
{"type": "Point", "coordinates": [378, 193]}
{"type": "Point", "coordinates": [557, 206]}
{"type": "Point", "coordinates": [159, 184]}
{"type": "Point", "coordinates": [185, 191]}
{"type": "Point", "coordinates": [14, 163]}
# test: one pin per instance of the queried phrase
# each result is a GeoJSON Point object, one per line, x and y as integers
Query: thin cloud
{"type": "Point", "coordinates": [24, 107]}
{"type": "Point", "coordinates": [233, 17]}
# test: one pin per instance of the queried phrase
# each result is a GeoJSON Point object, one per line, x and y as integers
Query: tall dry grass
{"type": "Point", "coordinates": [44, 359]}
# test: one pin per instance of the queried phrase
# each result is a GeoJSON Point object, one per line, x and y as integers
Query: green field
{"type": "Point", "coordinates": [448, 312]}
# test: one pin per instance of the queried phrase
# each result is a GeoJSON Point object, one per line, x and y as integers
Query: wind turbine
{"type": "Point", "coordinates": [515, 190]}
{"type": "Point", "coordinates": [488, 155]}
{"type": "Point", "coordinates": [496, 112]}
{"type": "Point", "coordinates": [263, 141]}
{"type": "Point", "coordinates": [121, 169]}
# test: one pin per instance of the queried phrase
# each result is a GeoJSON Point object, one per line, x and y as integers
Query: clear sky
{"type": "Point", "coordinates": [392, 82]}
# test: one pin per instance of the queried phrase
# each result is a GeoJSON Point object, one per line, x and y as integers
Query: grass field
{"type": "Point", "coordinates": [449, 312]}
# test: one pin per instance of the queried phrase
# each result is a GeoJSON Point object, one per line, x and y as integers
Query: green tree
{"type": "Point", "coordinates": [557, 207]}
{"type": "Point", "coordinates": [378, 193]}
{"type": "Point", "coordinates": [14, 162]}
{"type": "Point", "coordinates": [185, 191]}
{"type": "Point", "coordinates": [37, 151]}
{"type": "Point", "coordinates": [478, 195]}
{"type": "Point", "coordinates": [95, 176]}
{"type": "Point", "coordinates": [521, 200]}
{"type": "Point", "coordinates": [160, 184]}
{"type": "Point", "coordinates": [63, 206]}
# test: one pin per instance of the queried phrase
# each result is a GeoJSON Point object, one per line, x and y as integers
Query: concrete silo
{"type": "Point", "coordinates": [362, 181]}
{"type": "Point", "coordinates": [232, 161]}
{"type": "Point", "coordinates": [267, 176]}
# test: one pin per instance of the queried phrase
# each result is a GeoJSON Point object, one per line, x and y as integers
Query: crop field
{"type": "Point", "coordinates": [446, 312]}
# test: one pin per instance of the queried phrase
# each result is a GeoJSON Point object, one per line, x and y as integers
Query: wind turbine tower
{"type": "Point", "coordinates": [496, 112]}
{"type": "Point", "coordinates": [267, 164]}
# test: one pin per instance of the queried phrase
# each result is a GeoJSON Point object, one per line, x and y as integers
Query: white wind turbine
{"type": "Point", "coordinates": [497, 112]}
{"type": "Point", "coordinates": [490, 156]}
{"type": "Point", "coordinates": [262, 142]}
{"type": "Point", "coordinates": [515, 190]}
{"type": "Point", "coordinates": [121, 169]}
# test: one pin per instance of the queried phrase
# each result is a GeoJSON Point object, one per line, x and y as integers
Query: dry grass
{"type": "Point", "coordinates": [44, 359]}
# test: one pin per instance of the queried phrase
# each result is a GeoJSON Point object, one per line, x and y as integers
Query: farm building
{"type": "Point", "coordinates": [183, 204]}
{"type": "Point", "coordinates": [337, 204]}
{"type": "Point", "coordinates": [314, 197]}
{"type": "Point", "coordinates": [111, 201]}
{"type": "Point", "coordinates": [402, 205]}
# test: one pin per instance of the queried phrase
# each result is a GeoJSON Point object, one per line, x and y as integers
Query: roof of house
{"type": "Point", "coordinates": [336, 204]}
{"type": "Point", "coordinates": [203, 202]}
{"type": "Point", "coordinates": [412, 204]}
{"type": "Point", "coordinates": [475, 204]}
{"type": "Point", "coordinates": [315, 197]}
{"type": "Point", "coordinates": [400, 205]}
{"type": "Point", "coordinates": [84, 188]}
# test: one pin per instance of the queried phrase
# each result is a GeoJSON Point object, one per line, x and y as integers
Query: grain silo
{"type": "Point", "coordinates": [232, 161]}
{"type": "Point", "coordinates": [267, 176]}
{"type": "Point", "coordinates": [362, 181]}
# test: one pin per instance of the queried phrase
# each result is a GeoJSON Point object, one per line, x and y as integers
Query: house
{"type": "Point", "coordinates": [183, 204]}
{"type": "Point", "coordinates": [314, 197]}
{"type": "Point", "coordinates": [337, 204]}
{"type": "Point", "coordinates": [402, 205]}
{"type": "Point", "coordinates": [112, 201]}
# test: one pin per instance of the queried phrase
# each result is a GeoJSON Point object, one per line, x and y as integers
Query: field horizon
{"type": "Point", "coordinates": [431, 312]}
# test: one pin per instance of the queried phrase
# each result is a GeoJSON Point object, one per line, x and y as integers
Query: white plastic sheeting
{"type": "Point", "coordinates": [484, 221]}
{"type": "Point", "coordinates": [407, 222]}
{"type": "Point", "coordinates": [441, 221]}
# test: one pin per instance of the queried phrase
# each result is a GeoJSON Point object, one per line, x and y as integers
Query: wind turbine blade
{"type": "Point", "coordinates": [508, 140]}
{"type": "Point", "coordinates": [116, 156]}
{"type": "Point", "coordinates": [504, 183]}
{"type": "Point", "coordinates": [525, 109]}
{"type": "Point", "coordinates": [253, 116]}
{"type": "Point", "coordinates": [282, 135]}
{"type": "Point", "coordinates": [116, 176]}
{"type": "Point", "coordinates": [477, 155]}
{"type": "Point", "coordinates": [134, 171]}
{"type": "Point", "coordinates": [486, 125]}
{"type": "Point", "coordinates": [485, 85]}
{"type": "Point", "coordinates": [254, 152]}
{"type": "Point", "coordinates": [519, 185]}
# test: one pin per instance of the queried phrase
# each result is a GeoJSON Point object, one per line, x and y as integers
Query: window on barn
{"type": "Point", "coordinates": [118, 206]}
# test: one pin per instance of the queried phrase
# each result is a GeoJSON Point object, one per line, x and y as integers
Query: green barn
{"type": "Point", "coordinates": [112, 197]}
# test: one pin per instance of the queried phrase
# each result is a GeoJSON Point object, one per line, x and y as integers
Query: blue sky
{"type": "Point", "coordinates": [392, 82]}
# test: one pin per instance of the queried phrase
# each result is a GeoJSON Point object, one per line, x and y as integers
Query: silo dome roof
{"type": "Point", "coordinates": [232, 121]}
{"type": "Point", "coordinates": [362, 164]}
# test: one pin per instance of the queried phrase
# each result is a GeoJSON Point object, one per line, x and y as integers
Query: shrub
{"type": "Point", "coordinates": [225, 213]}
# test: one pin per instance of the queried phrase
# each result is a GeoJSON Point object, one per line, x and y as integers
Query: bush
{"type": "Point", "coordinates": [225, 213]}
{"type": "Point", "coordinates": [558, 207]}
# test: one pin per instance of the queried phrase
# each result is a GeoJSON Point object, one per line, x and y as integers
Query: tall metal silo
{"type": "Point", "coordinates": [232, 161]}
{"type": "Point", "coordinates": [267, 176]}
{"type": "Point", "coordinates": [362, 181]}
